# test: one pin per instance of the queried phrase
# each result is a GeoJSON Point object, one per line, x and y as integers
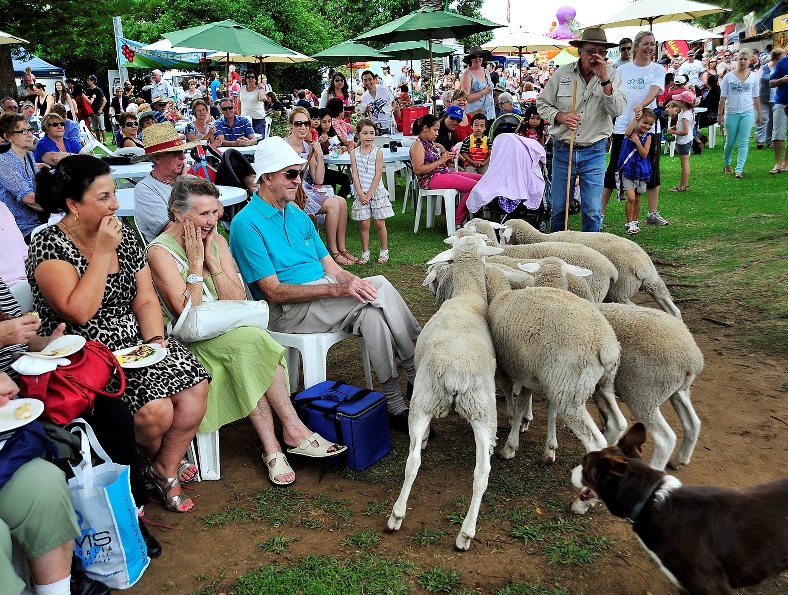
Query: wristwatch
{"type": "Point", "coordinates": [607, 82]}
{"type": "Point", "coordinates": [192, 279]}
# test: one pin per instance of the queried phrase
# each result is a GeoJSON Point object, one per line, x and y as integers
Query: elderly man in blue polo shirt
{"type": "Point", "coordinates": [232, 130]}
{"type": "Point", "coordinates": [283, 261]}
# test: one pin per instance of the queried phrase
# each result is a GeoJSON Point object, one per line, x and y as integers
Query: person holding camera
{"type": "Point", "coordinates": [252, 101]}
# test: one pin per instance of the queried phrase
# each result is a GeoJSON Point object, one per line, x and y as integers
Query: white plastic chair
{"type": "Point", "coordinates": [312, 349]}
{"type": "Point", "coordinates": [670, 147]}
{"type": "Point", "coordinates": [90, 142]}
{"type": "Point", "coordinates": [433, 198]}
{"type": "Point", "coordinates": [268, 122]}
{"type": "Point", "coordinates": [713, 135]}
{"type": "Point", "coordinates": [24, 295]}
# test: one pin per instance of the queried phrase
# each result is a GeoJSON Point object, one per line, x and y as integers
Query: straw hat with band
{"type": "Point", "coordinates": [593, 35]}
{"type": "Point", "coordinates": [162, 138]}
{"type": "Point", "coordinates": [477, 51]}
{"type": "Point", "coordinates": [159, 99]}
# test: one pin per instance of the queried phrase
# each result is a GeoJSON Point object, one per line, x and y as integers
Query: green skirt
{"type": "Point", "coordinates": [242, 363]}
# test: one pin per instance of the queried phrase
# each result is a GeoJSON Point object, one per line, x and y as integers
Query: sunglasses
{"type": "Point", "coordinates": [130, 124]}
{"type": "Point", "coordinates": [602, 52]}
{"type": "Point", "coordinates": [629, 49]}
{"type": "Point", "coordinates": [301, 123]}
{"type": "Point", "coordinates": [292, 174]}
{"type": "Point", "coordinates": [57, 124]}
{"type": "Point", "coordinates": [229, 108]}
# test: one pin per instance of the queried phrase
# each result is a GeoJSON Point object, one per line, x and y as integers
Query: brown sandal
{"type": "Point", "coordinates": [337, 255]}
{"type": "Point", "coordinates": [349, 256]}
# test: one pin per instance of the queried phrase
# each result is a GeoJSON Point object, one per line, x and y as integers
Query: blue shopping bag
{"type": "Point", "coordinates": [111, 547]}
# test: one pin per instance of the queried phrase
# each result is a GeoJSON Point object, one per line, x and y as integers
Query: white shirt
{"type": "Point", "coordinates": [687, 138]}
{"type": "Point", "coordinates": [638, 80]}
{"type": "Point", "coordinates": [691, 70]}
{"type": "Point", "coordinates": [388, 80]}
{"type": "Point", "coordinates": [382, 99]}
{"type": "Point", "coordinates": [739, 94]}
{"type": "Point", "coordinates": [162, 89]}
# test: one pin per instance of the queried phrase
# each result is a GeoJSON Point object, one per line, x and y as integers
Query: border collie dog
{"type": "Point", "coordinates": [707, 540]}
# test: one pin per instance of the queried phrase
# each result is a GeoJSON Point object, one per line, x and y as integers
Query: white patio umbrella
{"type": "Point", "coordinates": [523, 42]}
{"type": "Point", "coordinates": [164, 45]}
{"type": "Point", "coordinates": [8, 38]}
{"type": "Point", "coordinates": [643, 13]}
{"type": "Point", "coordinates": [662, 31]}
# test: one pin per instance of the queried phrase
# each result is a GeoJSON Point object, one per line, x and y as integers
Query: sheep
{"type": "Point", "coordinates": [659, 361]}
{"type": "Point", "coordinates": [485, 227]}
{"type": "Point", "coordinates": [577, 285]}
{"type": "Point", "coordinates": [557, 344]}
{"type": "Point", "coordinates": [455, 365]}
{"type": "Point", "coordinates": [636, 271]}
{"type": "Point", "coordinates": [604, 274]}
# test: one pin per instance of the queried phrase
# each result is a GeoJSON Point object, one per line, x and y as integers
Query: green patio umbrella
{"type": "Point", "coordinates": [349, 52]}
{"type": "Point", "coordinates": [428, 23]}
{"type": "Point", "coordinates": [227, 37]}
{"type": "Point", "coordinates": [415, 50]}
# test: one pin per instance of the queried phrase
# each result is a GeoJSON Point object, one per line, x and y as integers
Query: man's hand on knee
{"type": "Point", "coordinates": [361, 289]}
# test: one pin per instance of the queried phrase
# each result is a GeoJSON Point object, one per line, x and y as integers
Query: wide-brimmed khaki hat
{"type": "Point", "coordinates": [162, 138]}
{"type": "Point", "coordinates": [159, 99]}
{"type": "Point", "coordinates": [476, 51]}
{"type": "Point", "coordinates": [593, 35]}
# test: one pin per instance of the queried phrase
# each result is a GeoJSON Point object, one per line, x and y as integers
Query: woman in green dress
{"type": "Point", "coordinates": [191, 261]}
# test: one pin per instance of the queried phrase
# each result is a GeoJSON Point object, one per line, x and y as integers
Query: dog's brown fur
{"type": "Point", "coordinates": [712, 539]}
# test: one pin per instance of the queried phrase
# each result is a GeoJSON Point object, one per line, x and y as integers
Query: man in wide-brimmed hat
{"type": "Point", "coordinates": [167, 150]}
{"type": "Point", "coordinates": [599, 99]}
{"type": "Point", "coordinates": [158, 107]}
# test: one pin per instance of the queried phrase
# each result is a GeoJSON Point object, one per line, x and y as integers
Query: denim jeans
{"type": "Point", "coordinates": [588, 163]}
{"type": "Point", "coordinates": [737, 132]}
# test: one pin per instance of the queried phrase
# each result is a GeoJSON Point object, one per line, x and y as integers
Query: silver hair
{"type": "Point", "coordinates": [639, 37]}
{"type": "Point", "coordinates": [157, 71]}
{"type": "Point", "coordinates": [745, 52]}
{"type": "Point", "coordinates": [182, 191]}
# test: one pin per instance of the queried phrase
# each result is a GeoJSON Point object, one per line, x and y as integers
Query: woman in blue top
{"type": "Point", "coordinates": [54, 147]}
{"type": "Point", "coordinates": [17, 174]}
{"type": "Point", "coordinates": [740, 107]}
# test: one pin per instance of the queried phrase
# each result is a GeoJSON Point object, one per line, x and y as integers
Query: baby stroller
{"type": "Point", "coordinates": [233, 171]}
{"type": "Point", "coordinates": [505, 124]}
{"type": "Point", "coordinates": [517, 182]}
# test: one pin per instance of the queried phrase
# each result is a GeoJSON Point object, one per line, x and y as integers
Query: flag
{"type": "Point", "coordinates": [508, 11]}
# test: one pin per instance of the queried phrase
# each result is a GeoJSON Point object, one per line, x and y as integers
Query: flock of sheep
{"type": "Point", "coordinates": [549, 314]}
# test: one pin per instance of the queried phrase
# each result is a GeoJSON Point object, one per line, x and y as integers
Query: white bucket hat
{"type": "Point", "coordinates": [273, 154]}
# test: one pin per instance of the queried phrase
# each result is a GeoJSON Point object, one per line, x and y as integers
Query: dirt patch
{"type": "Point", "coordinates": [744, 440]}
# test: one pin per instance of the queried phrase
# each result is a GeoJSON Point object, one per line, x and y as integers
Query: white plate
{"type": "Point", "coordinates": [70, 344]}
{"type": "Point", "coordinates": [159, 354]}
{"type": "Point", "coordinates": [7, 419]}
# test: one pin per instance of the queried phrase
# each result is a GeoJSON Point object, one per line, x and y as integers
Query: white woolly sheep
{"type": "Point", "coordinates": [455, 365]}
{"type": "Point", "coordinates": [659, 361]}
{"type": "Point", "coordinates": [636, 271]}
{"type": "Point", "coordinates": [577, 285]}
{"type": "Point", "coordinates": [557, 344]}
{"type": "Point", "coordinates": [604, 274]}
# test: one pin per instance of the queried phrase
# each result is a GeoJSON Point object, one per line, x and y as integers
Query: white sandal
{"type": "Point", "coordinates": [281, 466]}
{"type": "Point", "coordinates": [364, 258]}
{"type": "Point", "coordinates": [384, 257]}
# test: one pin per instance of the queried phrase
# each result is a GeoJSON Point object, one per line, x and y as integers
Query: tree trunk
{"type": "Point", "coordinates": [7, 81]}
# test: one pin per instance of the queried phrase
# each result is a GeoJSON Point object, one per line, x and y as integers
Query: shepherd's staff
{"type": "Point", "coordinates": [569, 174]}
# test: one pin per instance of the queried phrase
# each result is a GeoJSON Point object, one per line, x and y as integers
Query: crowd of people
{"type": "Point", "coordinates": [90, 277]}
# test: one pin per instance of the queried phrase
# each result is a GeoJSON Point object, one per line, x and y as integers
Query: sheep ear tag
{"type": "Point", "coordinates": [490, 250]}
{"type": "Point", "coordinates": [445, 256]}
{"type": "Point", "coordinates": [429, 278]}
{"type": "Point", "coordinates": [529, 267]}
{"type": "Point", "coordinates": [575, 271]}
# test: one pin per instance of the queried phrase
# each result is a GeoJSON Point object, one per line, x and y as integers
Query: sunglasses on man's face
{"type": "Point", "coordinates": [626, 49]}
{"type": "Point", "coordinates": [130, 125]}
{"type": "Point", "coordinates": [292, 174]}
{"type": "Point", "coordinates": [300, 123]}
{"type": "Point", "coordinates": [227, 108]}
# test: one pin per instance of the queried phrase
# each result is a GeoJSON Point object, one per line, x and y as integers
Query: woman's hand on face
{"type": "Point", "coordinates": [18, 331]}
{"type": "Point", "coordinates": [206, 246]}
{"type": "Point", "coordinates": [110, 233]}
{"type": "Point", "coordinates": [195, 249]}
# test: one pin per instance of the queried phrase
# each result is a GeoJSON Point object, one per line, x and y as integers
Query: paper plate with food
{"type": "Point", "coordinates": [141, 356]}
{"type": "Point", "coordinates": [19, 412]}
{"type": "Point", "coordinates": [60, 347]}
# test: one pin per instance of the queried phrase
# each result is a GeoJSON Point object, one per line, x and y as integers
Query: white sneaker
{"type": "Point", "coordinates": [654, 218]}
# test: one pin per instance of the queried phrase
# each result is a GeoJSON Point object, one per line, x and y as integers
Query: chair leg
{"type": "Point", "coordinates": [391, 184]}
{"type": "Point", "coordinates": [448, 199]}
{"type": "Point", "coordinates": [315, 368]}
{"type": "Point", "coordinates": [418, 213]}
{"type": "Point", "coordinates": [208, 455]}
{"type": "Point", "coordinates": [293, 358]}
{"type": "Point", "coordinates": [430, 198]}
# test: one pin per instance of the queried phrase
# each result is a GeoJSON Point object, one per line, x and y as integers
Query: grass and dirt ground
{"type": "Point", "coordinates": [724, 258]}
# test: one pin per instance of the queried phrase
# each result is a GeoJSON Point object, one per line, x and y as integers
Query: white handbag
{"type": "Point", "coordinates": [214, 317]}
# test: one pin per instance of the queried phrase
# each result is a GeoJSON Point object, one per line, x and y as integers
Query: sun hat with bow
{"type": "Point", "coordinates": [162, 138]}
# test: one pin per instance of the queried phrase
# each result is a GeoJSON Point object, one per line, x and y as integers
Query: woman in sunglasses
{"type": "Point", "coordinates": [336, 88]}
{"type": "Point", "coordinates": [252, 101]}
{"type": "Point", "coordinates": [333, 209]}
{"type": "Point", "coordinates": [477, 83]}
{"type": "Point", "coordinates": [128, 131]}
{"type": "Point", "coordinates": [54, 147]}
{"type": "Point", "coordinates": [17, 174]}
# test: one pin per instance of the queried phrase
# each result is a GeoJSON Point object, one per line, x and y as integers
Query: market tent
{"type": "Point", "coordinates": [41, 68]}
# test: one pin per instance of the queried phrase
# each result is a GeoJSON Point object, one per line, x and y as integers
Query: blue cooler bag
{"type": "Point", "coordinates": [350, 416]}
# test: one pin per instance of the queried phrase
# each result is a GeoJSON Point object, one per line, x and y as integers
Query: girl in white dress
{"type": "Point", "coordinates": [372, 198]}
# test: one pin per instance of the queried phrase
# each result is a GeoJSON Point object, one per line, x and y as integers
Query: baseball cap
{"type": "Point", "coordinates": [454, 111]}
{"type": "Point", "coordinates": [686, 96]}
{"type": "Point", "coordinates": [274, 153]}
